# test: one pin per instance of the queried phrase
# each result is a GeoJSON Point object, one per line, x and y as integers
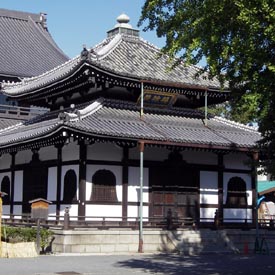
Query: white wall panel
{"type": "Point", "coordinates": [104, 151]}
{"type": "Point", "coordinates": [133, 212]}
{"type": "Point", "coordinates": [134, 184]}
{"type": "Point", "coordinates": [5, 161]}
{"type": "Point", "coordinates": [70, 152]}
{"type": "Point", "coordinates": [48, 153]}
{"type": "Point", "coordinates": [207, 214]}
{"type": "Point", "coordinates": [52, 183]}
{"type": "Point", "coordinates": [18, 186]}
{"type": "Point", "coordinates": [73, 210]}
{"type": "Point", "coordinates": [103, 210]}
{"type": "Point", "coordinates": [23, 157]}
{"type": "Point", "coordinates": [209, 187]}
{"type": "Point", "coordinates": [17, 210]}
{"type": "Point", "coordinates": [52, 211]}
{"type": "Point", "coordinates": [230, 215]}
{"type": "Point", "coordinates": [237, 161]}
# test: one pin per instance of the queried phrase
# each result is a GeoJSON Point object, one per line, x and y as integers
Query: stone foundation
{"type": "Point", "coordinates": [18, 250]}
{"type": "Point", "coordinates": [186, 241]}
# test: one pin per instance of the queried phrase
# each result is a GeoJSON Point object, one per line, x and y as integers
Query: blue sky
{"type": "Point", "coordinates": [73, 23]}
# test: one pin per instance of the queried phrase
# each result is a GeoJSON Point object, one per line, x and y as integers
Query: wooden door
{"type": "Point", "coordinates": [174, 188]}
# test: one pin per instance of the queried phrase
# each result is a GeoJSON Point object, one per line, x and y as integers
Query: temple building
{"type": "Point", "coordinates": [26, 49]}
{"type": "Point", "coordinates": [124, 129]}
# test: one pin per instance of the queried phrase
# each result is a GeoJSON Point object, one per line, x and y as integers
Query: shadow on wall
{"type": "Point", "coordinates": [196, 242]}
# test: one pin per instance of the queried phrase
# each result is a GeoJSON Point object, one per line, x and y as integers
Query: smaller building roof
{"type": "Point", "coordinates": [266, 186]}
{"type": "Point", "coordinates": [27, 48]}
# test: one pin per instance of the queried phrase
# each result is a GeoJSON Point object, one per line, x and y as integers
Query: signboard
{"type": "Point", "coordinates": [160, 99]}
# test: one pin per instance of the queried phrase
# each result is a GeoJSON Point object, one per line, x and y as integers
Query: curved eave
{"type": "Point", "coordinates": [54, 136]}
{"type": "Point", "coordinates": [44, 89]}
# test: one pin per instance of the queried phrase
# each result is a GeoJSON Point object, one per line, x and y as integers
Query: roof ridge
{"type": "Point", "coordinates": [26, 80]}
{"type": "Point", "coordinates": [21, 15]}
{"type": "Point", "coordinates": [81, 114]}
{"type": "Point", "coordinates": [48, 37]}
{"type": "Point", "coordinates": [235, 123]}
{"type": "Point", "coordinates": [107, 49]}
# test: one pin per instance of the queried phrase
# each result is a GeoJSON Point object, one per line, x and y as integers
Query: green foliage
{"type": "Point", "coordinates": [26, 234]}
{"type": "Point", "coordinates": [237, 39]}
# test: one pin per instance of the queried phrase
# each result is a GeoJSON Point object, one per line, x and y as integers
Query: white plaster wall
{"type": "Point", "coordinates": [245, 177]}
{"type": "Point", "coordinates": [150, 153]}
{"type": "Point", "coordinates": [134, 184]}
{"type": "Point", "coordinates": [52, 212]}
{"type": "Point", "coordinates": [117, 171]}
{"type": "Point", "coordinates": [52, 183]}
{"type": "Point", "coordinates": [97, 210]}
{"type": "Point", "coordinates": [48, 153]}
{"type": "Point", "coordinates": [5, 161]}
{"type": "Point", "coordinates": [207, 214]}
{"type": "Point", "coordinates": [133, 212]}
{"type": "Point", "coordinates": [209, 187]}
{"type": "Point", "coordinates": [73, 210]}
{"type": "Point", "coordinates": [23, 157]}
{"type": "Point", "coordinates": [237, 161]}
{"type": "Point", "coordinates": [104, 151]}
{"type": "Point", "coordinates": [64, 171]}
{"type": "Point", "coordinates": [200, 157]}
{"type": "Point", "coordinates": [70, 152]}
{"type": "Point", "coordinates": [18, 186]}
{"type": "Point", "coordinates": [5, 210]}
{"type": "Point", "coordinates": [234, 213]}
{"type": "Point", "coordinates": [17, 210]}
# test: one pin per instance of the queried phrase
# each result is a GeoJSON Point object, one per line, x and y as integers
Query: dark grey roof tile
{"type": "Point", "coordinates": [26, 48]}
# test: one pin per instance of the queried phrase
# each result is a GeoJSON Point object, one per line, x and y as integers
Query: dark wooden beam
{"type": "Point", "coordinates": [125, 178]}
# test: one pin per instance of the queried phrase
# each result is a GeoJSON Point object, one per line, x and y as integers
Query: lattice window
{"type": "Point", "coordinates": [5, 187]}
{"type": "Point", "coordinates": [70, 186]}
{"type": "Point", "coordinates": [104, 186]}
{"type": "Point", "coordinates": [236, 192]}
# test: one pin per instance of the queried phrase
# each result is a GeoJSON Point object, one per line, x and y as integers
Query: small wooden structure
{"type": "Point", "coordinates": [39, 208]}
{"type": "Point", "coordinates": [39, 211]}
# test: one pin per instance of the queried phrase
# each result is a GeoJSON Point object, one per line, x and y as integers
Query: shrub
{"type": "Point", "coordinates": [26, 234]}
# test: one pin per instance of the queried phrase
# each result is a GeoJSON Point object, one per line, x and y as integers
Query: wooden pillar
{"type": "Point", "coordinates": [82, 179]}
{"type": "Point", "coordinates": [59, 179]}
{"type": "Point", "coordinates": [125, 178]}
{"type": "Point", "coordinates": [220, 185]}
{"type": "Point", "coordinates": [12, 182]}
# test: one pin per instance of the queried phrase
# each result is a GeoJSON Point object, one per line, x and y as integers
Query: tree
{"type": "Point", "coordinates": [237, 39]}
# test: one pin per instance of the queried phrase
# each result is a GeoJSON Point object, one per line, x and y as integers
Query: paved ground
{"type": "Point", "coordinates": [140, 265]}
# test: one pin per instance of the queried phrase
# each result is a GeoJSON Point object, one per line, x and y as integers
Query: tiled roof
{"type": "Point", "coordinates": [104, 119]}
{"type": "Point", "coordinates": [7, 122]}
{"type": "Point", "coordinates": [124, 56]}
{"type": "Point", "coordinates": [134, 57]}
{"type": "Point", "coordinates": [26, 47]}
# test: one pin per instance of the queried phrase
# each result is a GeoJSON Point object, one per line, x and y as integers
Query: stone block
{"type": "Point", "coordinates": [107, 248]}
{"type": "Point", "coordinates": [79, 248]}
{"type": "Point", "coordinates": [122, 248]}
{"type": "Point", "coordinates": [93, 248]}
{"type": "Point", "coordinates": [18, 250]}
